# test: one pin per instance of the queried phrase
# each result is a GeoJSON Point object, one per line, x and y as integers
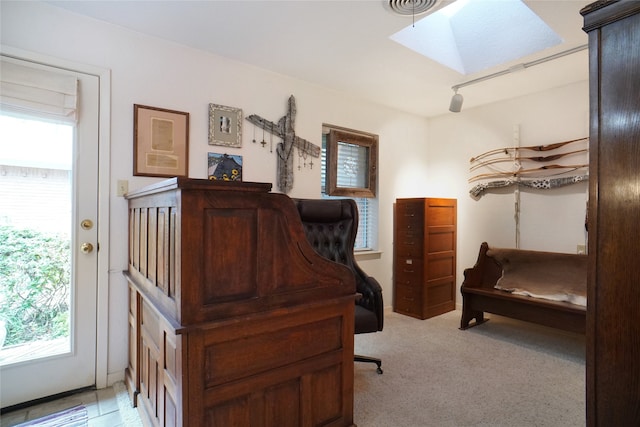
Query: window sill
{"type": "Point", "coordinates": [367, 254]}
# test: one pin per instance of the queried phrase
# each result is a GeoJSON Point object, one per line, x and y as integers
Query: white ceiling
{"type": "Point", "coordinates": [344, 45]}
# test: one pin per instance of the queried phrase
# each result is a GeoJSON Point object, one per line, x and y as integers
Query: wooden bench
{"type": "Point", "coordinates": [519, 271]}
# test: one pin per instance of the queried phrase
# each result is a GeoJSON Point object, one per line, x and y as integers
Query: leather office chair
{"type": "Point", "coordinates": [331, 226]}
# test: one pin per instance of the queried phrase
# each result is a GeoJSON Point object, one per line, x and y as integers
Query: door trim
{"type": "Point", "coordinates": [104, 171]}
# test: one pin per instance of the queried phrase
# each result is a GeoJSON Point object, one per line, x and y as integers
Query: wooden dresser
{"type": "Point", "coordinates": [613, 281]}
{"type": "Point", "coordinates": [234, 320]}
{"type": "Point", "coordinates": [424, 273]}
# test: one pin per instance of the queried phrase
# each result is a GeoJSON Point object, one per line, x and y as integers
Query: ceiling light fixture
{"type": "Point", "coordinates": [456, 100]}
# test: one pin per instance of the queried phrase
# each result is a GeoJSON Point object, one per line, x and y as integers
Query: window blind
{"type": "Point", "coordinates": [353, 168]}
{"type": "Point", "coordinates": [29, 88]}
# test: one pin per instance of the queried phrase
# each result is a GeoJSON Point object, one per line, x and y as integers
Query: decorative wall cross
{"type": "Point", "coordinates": [284, 130]}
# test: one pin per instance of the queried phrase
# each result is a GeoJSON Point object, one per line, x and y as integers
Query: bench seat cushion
{"type": "Point", "coordinates": [546, 275]}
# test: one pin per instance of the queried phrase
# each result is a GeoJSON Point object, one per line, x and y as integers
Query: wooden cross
{"type": "Point", "coordinates": [284, 129]}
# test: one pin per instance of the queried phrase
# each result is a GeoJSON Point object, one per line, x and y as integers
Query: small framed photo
{"type": "Point", "coordinates": [225, 126]}
{"type": "Point", "coordinates": [224, 167]}
{"type": "Point", "coordinates": [160, 142]}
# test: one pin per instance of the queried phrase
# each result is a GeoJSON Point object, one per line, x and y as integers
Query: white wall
{"type": "Point", "coordinates": [153, 72]}
{"type": "Point", "coordinates": [417, 157]}
{"type": "Point", "coordinates": [550, 220]}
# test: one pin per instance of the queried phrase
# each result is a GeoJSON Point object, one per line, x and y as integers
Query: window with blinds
{"type": "Point", "coordinates": [352, 158]}
{"type": "Point", "coordinates": [354, 161]}
{"type": "Point", "coordinates": [353, 170]}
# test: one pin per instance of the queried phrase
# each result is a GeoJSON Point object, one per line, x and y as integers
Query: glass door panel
{"type": "Point", "coordinates": [35, 238]}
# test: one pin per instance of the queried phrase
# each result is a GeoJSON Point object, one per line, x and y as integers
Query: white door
{"type": "Point", "coordinates": [48, 220]}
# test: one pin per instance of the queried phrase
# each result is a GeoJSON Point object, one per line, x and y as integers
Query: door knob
{"type": "Point", "coordinates": [86, 248]}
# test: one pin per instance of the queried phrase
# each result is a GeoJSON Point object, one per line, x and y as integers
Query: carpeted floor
{"type": "Point", "coordinates": [502, 373]}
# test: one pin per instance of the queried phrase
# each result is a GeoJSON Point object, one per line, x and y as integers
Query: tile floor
{"type": "Point", "coordinates": [108, 407]}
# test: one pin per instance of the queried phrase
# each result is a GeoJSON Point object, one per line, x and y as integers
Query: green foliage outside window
{"type": "Point", "coordinates": [34, 285]}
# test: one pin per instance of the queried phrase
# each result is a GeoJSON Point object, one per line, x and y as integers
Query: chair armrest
{"type": "Point", "coordinates": [371, 292]}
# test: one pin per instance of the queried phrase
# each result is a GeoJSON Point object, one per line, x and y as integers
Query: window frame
{"type": "Point", "coordinates": [360, 139]}
{"type": "Point", "coordinates": [367, 228]}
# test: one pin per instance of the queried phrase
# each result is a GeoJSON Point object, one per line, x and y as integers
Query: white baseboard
{"type": "Point", "coordinates": [114, 377]}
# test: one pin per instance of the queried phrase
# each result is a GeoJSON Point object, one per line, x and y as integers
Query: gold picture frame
{"type": "Point", "coordinates": [160, 142]}
{"type": "Point", "coordinates": [225, 126]}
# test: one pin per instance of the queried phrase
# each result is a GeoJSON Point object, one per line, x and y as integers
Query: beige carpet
{"type": "Point", "coordinates": [501, 373]}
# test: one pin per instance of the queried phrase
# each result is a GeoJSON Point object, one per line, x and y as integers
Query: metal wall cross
{"type": "Point", "coordinates": [284, 129]}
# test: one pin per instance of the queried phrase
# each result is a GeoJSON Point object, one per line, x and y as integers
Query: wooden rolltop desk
{"type": "Point", "coordinates": [234, 320]}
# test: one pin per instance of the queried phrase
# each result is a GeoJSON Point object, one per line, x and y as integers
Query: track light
{"type": "Point", "coordinates": [456, 102]}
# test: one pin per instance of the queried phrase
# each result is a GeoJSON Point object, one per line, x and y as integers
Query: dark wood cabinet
{"type": "Point", "coordinates": [613, 310]}
{"type": "Point", "coordinates": [424, 256]}
{"type": "Point", "coordinates": [234, 320]}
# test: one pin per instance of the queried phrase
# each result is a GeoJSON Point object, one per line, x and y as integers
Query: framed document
{"type": "Point", "coordinates": [160, 142]}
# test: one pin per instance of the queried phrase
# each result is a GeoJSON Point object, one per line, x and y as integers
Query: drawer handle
{"type": "Point", "coordinates": [412, 215]}
{"type": "Point", "coordinates": [409, 271]}
{"type": "Point", "coordinates": [409, 299]}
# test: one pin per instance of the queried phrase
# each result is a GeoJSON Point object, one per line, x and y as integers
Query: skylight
{"type": "Point", "coordinates": [472, 35]}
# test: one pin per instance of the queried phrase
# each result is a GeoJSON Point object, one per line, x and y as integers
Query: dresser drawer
{"type": "Point", "coordinates": [408, 293]}
{"type": "Point", "coordinates": [409, 224]}
{"type": "Point", "coordinates": [406, 209]}
{"type": "Point", "coordinates": [409, 245]}
{"type": "Point", "coordinates": [408, 300]}
{"type": "Point", "coordinates": [410, 307]}
{"type": "Point", "coordinates": [408, 271]}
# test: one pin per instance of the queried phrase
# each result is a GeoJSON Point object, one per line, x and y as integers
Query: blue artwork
{"type": "Point", "coordinates": [224, 167]}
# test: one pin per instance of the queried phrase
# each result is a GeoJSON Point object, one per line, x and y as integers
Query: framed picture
{"type": "Point", "coordinates": [224, 167]}
{"type": "Point", "coordinates": [160, 142]}
{"type": "Point", "coordinates": [225, 126]}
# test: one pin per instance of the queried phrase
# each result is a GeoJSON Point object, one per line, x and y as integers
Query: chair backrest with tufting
{"type": "Point", "coordinates": [331, 226]}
